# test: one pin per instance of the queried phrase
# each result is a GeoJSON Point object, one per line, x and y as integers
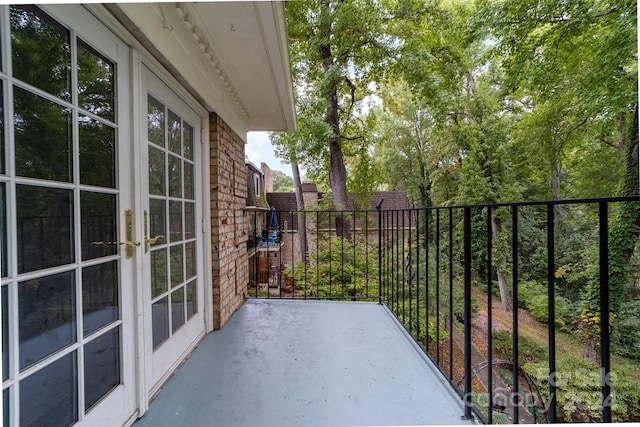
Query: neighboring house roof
{"type": "Point", "coordinates": [393, 200]}
{"type": "Point", "coordinates": [256, 197]}
{"type": "Point", "coordinates": [285, 204]}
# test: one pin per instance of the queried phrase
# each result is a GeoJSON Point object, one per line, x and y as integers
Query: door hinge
{"type": "Point", "coordinates": [204, 226]}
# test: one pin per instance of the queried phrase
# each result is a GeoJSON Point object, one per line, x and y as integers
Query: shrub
{"type": "Point", "coordinates": [533, 296]}
{"type": "Point", "coordinates": [625, 335]}
{"type": "Point", "coordinates": [578, 389]}
{"type": "Point", "coordinates": [528, 349]}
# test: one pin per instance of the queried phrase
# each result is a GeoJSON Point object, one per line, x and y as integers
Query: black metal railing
{"type": "Point", "coordinates": [512, 302]}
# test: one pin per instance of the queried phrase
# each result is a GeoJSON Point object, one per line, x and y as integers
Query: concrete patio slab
{"type": "Point", "coordinates": [306, 363]}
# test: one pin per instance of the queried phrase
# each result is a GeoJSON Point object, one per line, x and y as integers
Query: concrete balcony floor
{"type": "Point", "coordinates": [299, 363]}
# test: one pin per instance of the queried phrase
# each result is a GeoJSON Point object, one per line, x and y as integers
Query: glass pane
{"type": "Point", "coordinates": [189, 221]}
{"type": "Point", "coordinates": [192, 300]}
{"type": "Point", "coordinates": [177, 309]}
{"type": "Point", "coordinates": [3, 232]}
{"type": "Point", "coordinates": [155, 121]}
{"type": "Point", "coordinates": [157, 221]}
{"type": "Point", "coordinates": [5, 333]}
{"type": "Point", "coordinates": [2, 165]}
{"type": "Point", "coordinates": [175, 176]}
{"type": "Point", "coordinates": [97, 153]}
{"type": "Point", "coordinates": [5, 407]}
{"type": "Point", "coordinates": [45, 227]}
{"type": "Point", "coordinates": [177, 275]}
{"type": "Point", "coordinates": [95, 82]}
{"type": "Point", "coordinates": [49, 397]}
{"type": "Point", "coordinates": [156, 172]}
{"type": "Point", "coordinates": [188, 181]}
{"type": "Point", "coordinates": [175, 142]}
{"type": "Point", "coordinates": [99, 296]}
{"type": "Point", "coordinates": [101, 367]}
{"type": "Point", "coordinates": [158, 272]}
{"type": "Point", "coordinates": [175, 221]}
{"type": "Point", "coordinates": [41, 55]}
{"type": "Point", "coordinates": [46, 316]}
{"type": "Point", "coordinates": [160, 321]}
{"type": "Point", "coordinates": [188, 141]}
{"type": "Point", "coordinates": [190, 259]}
{"type": "Point", "coordinates": [42, 138]}
{"type": "Point", "coordinates": [98, 224]}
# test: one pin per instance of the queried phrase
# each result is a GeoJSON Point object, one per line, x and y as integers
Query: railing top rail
{"type": "Point", "coordinates": [635, 198]}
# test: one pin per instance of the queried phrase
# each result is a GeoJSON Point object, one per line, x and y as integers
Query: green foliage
{"type": "Point", "coordinates": [481, 401]}
{"type": "Point", "coordinates": [625, 334]}
{"type": "Point", "coordinates": [282, 182]}
{"type": "Point", "coordinates": [340, 269]}
{"type": "Point", "coordinates": [529, 350]}
{"type": "Point", "coordinates": [338, 49]}
{"type": "Point", "coordinates": [578, 383]}
{"type": "Point", "coordinates": [533, 296]}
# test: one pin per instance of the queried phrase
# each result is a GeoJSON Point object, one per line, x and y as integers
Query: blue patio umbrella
{"type": "Point", "coordinates": [273, 223]}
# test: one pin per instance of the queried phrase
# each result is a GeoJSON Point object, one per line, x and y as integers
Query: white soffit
{"type": "Point", "coordinates": [233, 56]}
{"type": "Point", "coordinates": [249, 39]}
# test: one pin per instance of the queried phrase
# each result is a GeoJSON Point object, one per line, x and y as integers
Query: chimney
{"type": "Point", "coordinates": [309, 194]}
{"type": "Point", "coordinates": [268, 177]}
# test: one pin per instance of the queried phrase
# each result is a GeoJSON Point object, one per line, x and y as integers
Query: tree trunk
{"type": "Point", "coordinates": [338, 179]}
{"type": "Point", "coordinates": [503, 284]}
{"type": "Point", "coordinates": [337, 172]}
{"type": "Point", "coordinates": [590, 352]}
{"type": "Point", "coordinates": [555, 189]}
{"type": "Point", "coordinates": [302, 221]}
{"type": "Point", "coordinates": [425, 185]}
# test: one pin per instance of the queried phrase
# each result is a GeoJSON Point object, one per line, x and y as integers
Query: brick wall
{"type": "Point", "coordinates": [229, 224]}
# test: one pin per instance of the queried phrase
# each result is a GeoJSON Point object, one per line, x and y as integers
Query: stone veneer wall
{"type": "Point", "coordinates": [229, 224]}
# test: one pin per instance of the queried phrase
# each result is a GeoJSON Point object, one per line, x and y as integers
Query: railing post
{"type": "Point", "coordinates": [379, 209]}
{"type": "Point", "coordinates": [437, 286]}
{"type": "Point", "coordinates": [451, 293]}
{"type": "Point", "coordinates": [551, 271]}
{"type": "Point", "coordinates": [467, 313]}
{"type": "Point", "coordinates": [514, 308]}
{"type": "Point", "coordinates": [604, 313]}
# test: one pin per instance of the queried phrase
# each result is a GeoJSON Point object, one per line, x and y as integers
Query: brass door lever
{"type": "Point", "coordinates": [153, 240]}
{"type": "Point", "coordinates": [129, 243]}
{"type": "Point", "coordinates": [147, 240]}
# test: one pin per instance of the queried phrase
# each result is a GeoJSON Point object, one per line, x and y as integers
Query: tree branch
{"type": "Point", "coordinates": [351, 138]}
{"type": "Point", "coordinates": [567, 19]}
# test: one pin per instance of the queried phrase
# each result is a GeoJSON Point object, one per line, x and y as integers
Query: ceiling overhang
{"type": "Point", "coordinates": [232, 56]}
{"type": "Point", "coordinates": [250, 38]}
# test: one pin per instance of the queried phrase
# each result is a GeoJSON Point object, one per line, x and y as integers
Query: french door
{"type": "Point", "coordinates": [101, 242]}
{"type": "Point", "coordinates": [68, 272]}
{"type": "Point", "coordinates": [173, 281]}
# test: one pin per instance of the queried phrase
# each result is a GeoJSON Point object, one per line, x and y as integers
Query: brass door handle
{"type": "Point", "coordinates": [148, 241]}
{"type": "Point", "coordinates": [129, 243]}
{"type": "Point", "coordinates": [153, 240]}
